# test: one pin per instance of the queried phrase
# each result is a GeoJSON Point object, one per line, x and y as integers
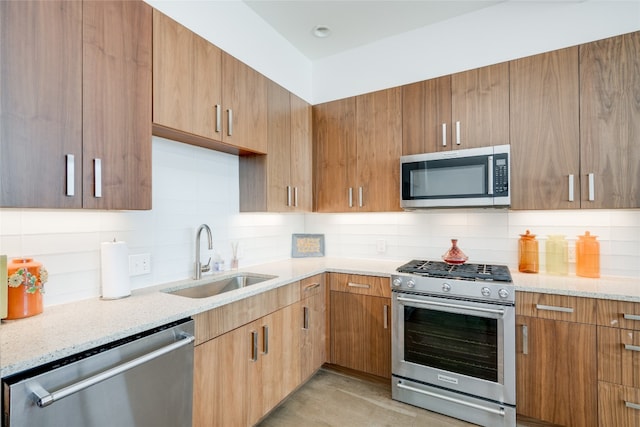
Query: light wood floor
{"type": "Point", "coordinates": [333, 399]}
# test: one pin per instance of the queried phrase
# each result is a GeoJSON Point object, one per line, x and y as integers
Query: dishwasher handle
{"type": "Point", "coordinates": [44, 398]}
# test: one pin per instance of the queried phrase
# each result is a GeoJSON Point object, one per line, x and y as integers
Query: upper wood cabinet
{"type": "Point", "coordinates": [610, 122]}
{"type": "Point", "coordinates": [76, 105]}
{"type": "Point", "coordinates": [545, 135]}
{"type": "Point", "coordinates": [357, 147]}
{"type": "Point", "coordinates": [202, 95]}
{"type": "Point", "coordinates": [281, 180]}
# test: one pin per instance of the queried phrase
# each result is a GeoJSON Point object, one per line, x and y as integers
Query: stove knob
{"type": "Point", "coordinates": [397, 282]}
{"type": "Point", "coordinates": [486, 292]}
{"type": "Point", "coordinates": [446, 287]}
{"type": "Point", "coordinates": [411, 283]}
{"type": "Point", "coordinates": [503, 293]}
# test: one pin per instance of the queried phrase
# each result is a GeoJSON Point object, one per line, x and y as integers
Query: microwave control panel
{"type": "Point", "coordinates": [501, 175]}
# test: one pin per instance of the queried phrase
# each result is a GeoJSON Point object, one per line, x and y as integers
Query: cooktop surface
{"type": "Point", "coordinates": [475, 272]}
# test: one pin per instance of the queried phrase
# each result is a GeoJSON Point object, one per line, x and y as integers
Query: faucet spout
{"type": "Point", "coordinates": [199, 268]}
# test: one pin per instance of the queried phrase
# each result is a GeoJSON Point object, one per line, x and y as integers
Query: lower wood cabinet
{"type": "Point", "coordinates": [361, 323]}
{"type": "Point", "coordinates": [313, 310]}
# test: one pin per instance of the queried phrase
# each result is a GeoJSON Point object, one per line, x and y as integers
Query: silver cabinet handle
{"type": "Point", "coordinates": [229, 122]}
{"type": "Point", "coordinates": [305, 314]}
{"type": "Point", "coordinates": [295, 197]}
{"type": "Point", "coordinates": [97, 180]}
{"type": "Point", "coordinates": [452, 399]}
{"type": "Point", "coordinates": [631, 316]}
{"type": "Point", "coordinates": [254, 346]}
{"type": "Point", "coordinates": [45, 398]}
{"type": "Point", "coordinates": [631, 347]}
{"type": "Point", "coordinates": [554, 308]}
{"type": "Point", "coordinates": [218, 118]}
{"type": "Point", "coordinates": [490, 174]}
{"type": "Point", "coordinates": [571, 187]}
{"type": "Point", "coordinates": [311, 286]}
{"type": "Point", "coordinates": [444, 134]}
{"type": "Point", "coordinates": [525, 339]}
{"type": "Point", "coordinates": [592, 189]}
{"type": "Point", "coordinates": [458, 133]}
{"type": "Point", "coordinates": [358, 285]}
{"type": "Point", "coordinates": [71, 173]}
{"type": "Point", "coordinates": [265, 339]}
{"type": "Point", "coordinates": [350, 197]}
{"type": "Point", "coordinates": [288, 195]}
{"type": "Point", "coordinates": [360, 199]}
{"type": "Point", "coordinates": [632, 405]}
{"type": "Point", "coordinates": [386, 316]}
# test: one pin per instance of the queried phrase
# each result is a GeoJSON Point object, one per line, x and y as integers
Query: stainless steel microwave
{"type": "Point", "coordinates": [470, 177]}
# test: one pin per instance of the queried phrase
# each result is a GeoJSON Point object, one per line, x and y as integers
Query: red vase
{"type": "Point", "coordinates": [26, 278]}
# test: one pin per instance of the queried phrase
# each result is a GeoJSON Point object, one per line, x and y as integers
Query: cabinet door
{"type": "Point", "coordinates": [480, 102]}
{"type": "Point", "coordinates": [41, 103]}
{"type": "Point", "coordinates": [221, 368]}
{"type": "Point", "coordinates": [244, 92]}
{"type": "Point", "coordinates": [301, 162]}
{"type": "Point", "coordinates": [545, 136]}
{"type": "Point", "coordinates": [117, 104]}
{"type": "Point", "coordinates": [361, 333]}
{"type": "Point", "coordinates": [556, 378]}
{"type": "Point", "coordinates": [187, 78]}
{"type": "Point", "coordinates": [313, 312]}
{"type": "Point", "coordinates": [279, 159]}
{"type": "Point", "coordinates": [379, 147]}
{"type": "Point", "coordinates": [426, 116]}
{"type": "Point", "coordinates": [619, 356]}
{"type": "Point", "coordinates": [610, 122]}
{"type": "Point", "coordinates": [334, 140]}
{"type": "Point", "coordinates": [618, 406]}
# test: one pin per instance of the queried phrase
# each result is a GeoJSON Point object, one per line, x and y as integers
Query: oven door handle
{"type": "Point", "coordinates": [498, 311]}
{"type": "Point", "coordinates": [452, 399]}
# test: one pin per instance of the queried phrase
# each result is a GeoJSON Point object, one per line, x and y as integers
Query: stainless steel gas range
{"type": "Point", "coordinates": [453, 340]}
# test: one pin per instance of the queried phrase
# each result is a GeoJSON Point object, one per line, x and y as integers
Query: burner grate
{"type": "Point", "coordinates": [481, 272]}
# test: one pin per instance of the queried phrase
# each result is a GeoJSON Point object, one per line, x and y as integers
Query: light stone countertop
{"type": "Point", "coordinates": [66, 329]}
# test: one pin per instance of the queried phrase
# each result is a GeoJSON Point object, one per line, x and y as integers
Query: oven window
{"type": "Point", "coordinates": [460, 343]}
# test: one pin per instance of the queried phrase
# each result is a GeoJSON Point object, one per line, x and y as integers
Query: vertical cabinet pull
{"type": "Point", "coordinates": [295, 197]}
{"type": "Point", "coordinates": [458, 133]}
{"type": "Point", "coordinates": [360, 199]}
{"type": "Point", "coordinates": [229, 122]}
{"type": "Point", "coordinates": [71, 173]}
{"type": "Point", "coordinates": [571, 187]}
{"type": "Point", "coordinates": [218, 118]}
{"type": "Point", "coordinates": [288, 195]}
{"type": "Point", "coordinates": [592, 189]}
{"type": "Point", "coordinates": [444, 134]}
{"type": "Point", "coordinates": [305, 316]}
{"type": "Point", "coordinates": [97, 179]}
{"type": "Point", "coordinates": [265, 339]}
{"type": "Point", "coordinates": [350, 197]}
{"type": "Point", "coordinates": [386, 316]}
{"type": "Point", "coordinates": [525, 339]}
{"type": "Point", "coordinates": [254, 346]}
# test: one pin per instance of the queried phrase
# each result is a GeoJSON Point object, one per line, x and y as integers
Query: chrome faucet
{"type": "Point", "coordinates": [199, 268]}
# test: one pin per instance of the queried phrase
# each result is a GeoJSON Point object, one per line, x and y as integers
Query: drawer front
{"type": "Point", "coordinates": [619, 314]}
{"type": "Point", "coordinates": [618, 406]}
{"type": "Point", "coordinates": [363, 285]}
{"type": "Point", "coordinates": [311, 286]}
{"type": "Point", "coordinates": [556, 307]}
{"type": "Point", "coordinates": [619, 356]}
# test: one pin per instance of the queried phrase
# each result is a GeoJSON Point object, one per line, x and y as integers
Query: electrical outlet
{"type": "Point", "coordinates": [139, 264]}
{"type": "Point", "coordinates": [381, 246]}
{"type": "Point", "coordinates": [571, 254]}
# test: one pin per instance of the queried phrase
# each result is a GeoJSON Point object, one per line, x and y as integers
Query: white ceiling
{"type": "Point", "coordinates": [354, 23]}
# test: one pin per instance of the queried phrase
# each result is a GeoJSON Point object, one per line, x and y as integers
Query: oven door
{"type": "Point", "coordinates": [464, 346]}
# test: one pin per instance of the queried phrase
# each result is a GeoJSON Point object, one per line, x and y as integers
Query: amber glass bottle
{"type": "Point", "coordinates": [528, 253]}
{"type": "Point", "coordinates": [587, 256]}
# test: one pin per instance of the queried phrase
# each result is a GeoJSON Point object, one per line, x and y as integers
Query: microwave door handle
{"type": "Point", "coordinates": [490, 175]}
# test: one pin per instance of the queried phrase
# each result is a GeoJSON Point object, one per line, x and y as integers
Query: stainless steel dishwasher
{"type": "Point", "coordinates": [143, 380]}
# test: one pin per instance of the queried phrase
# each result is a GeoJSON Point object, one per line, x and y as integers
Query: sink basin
{"type": "Point", "coordinates": [219, 286]}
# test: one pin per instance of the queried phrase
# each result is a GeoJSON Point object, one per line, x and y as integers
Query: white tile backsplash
{"type": "Point", "coordinates": [192, 185]}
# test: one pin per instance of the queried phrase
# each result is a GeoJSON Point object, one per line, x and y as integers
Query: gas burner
{"type": "Point", "coordinates": [471, 272]}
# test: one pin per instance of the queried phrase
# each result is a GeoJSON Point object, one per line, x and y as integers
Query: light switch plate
{"type": "Point", "coordinates": [139, 264]}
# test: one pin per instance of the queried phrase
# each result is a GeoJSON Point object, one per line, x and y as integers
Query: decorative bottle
{"type": "Point", "coordinates": [528, 253]}
{"type": "Point", "coordinates": [557, 255]}
{"type": "Point", "coordinates": [587, 256]}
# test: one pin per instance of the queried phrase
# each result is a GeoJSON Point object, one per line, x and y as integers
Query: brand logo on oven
{"type": "Point", "coordinates": [447, 379]}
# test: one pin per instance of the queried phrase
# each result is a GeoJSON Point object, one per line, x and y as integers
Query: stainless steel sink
{"type": "Point", "coordinates": [220, 286]}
